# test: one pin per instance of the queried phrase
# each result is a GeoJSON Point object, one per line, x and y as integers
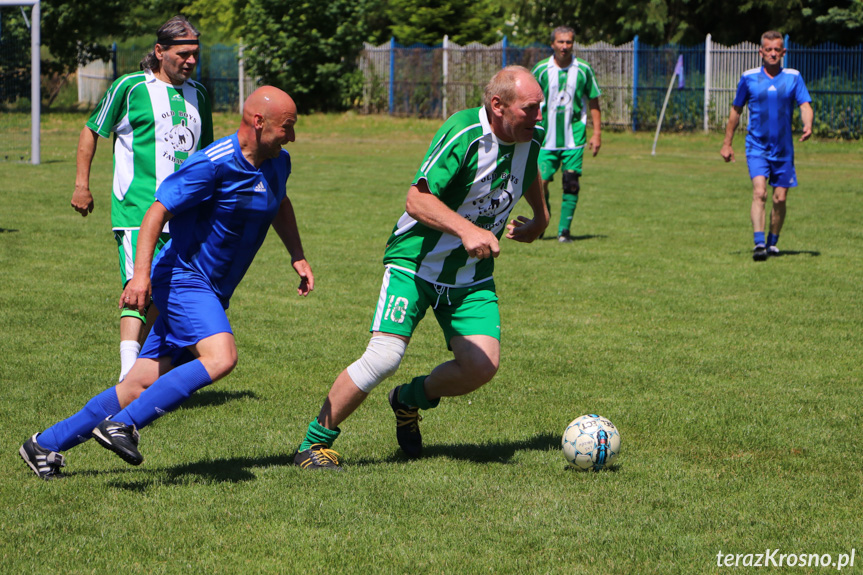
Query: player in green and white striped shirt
{"type": "Point", "coordinates": [441, 256]}
{"type": "Point", "coordinates": [159, 117]}
{"type": "Point", "coordinates": [570, 88]}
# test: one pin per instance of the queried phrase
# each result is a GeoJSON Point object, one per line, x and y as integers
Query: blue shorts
{"type": "Point", "coordinates": [779, 173]}
{"type": "Point", "coordinates": [189, 311]}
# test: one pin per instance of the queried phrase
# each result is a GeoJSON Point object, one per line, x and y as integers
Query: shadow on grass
{"type": "Point", "coordinates": [239, 469]}
{"type": "Point", "coordinates": [577, 238]}
{"type": "Point", "coordinates": [215, 398]}
{"type": "Point", "coordinates": [784, 253]}
{"type": "Point", "coordinates": [233, 470]}
{"type": "Point", "coordinates": [7, 230]}
{"type": "Point", "coordinates": [494, 452]}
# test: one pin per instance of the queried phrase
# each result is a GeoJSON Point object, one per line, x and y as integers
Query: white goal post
{"type": "Point", "coordinates": [35, 73]}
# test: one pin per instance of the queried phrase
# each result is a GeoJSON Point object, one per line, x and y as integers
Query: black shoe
{"type": "Point", "coordinates": [564, 237]}
{"type": "Point", "coordinates": [773, 251]}
{"type": "Point", "coordinates": [407, 425]}
{"type": "Point", "coordinates": [44, 462]}
{"type": "Point", "coordinates": [120, 438]}
{"type": "Point", "coordinates": [759, 253]}
{"type": "Point", "coordinates": [318, 456]}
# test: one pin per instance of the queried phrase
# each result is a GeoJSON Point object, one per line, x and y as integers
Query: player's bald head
{"type": "Point", "coordinates": [268, 102]}
{"type": "Point", "coordinates": [507, 83]}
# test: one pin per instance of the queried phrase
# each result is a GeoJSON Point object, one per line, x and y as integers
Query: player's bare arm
{"type": "Point", "coordinates": [807, 115]}
{"type": "Point", "coordinates": [727, 152]}
{"type": "Point", "coordinates": [285, 225]}
{"type": "Point", "coordinates": [527, 230]}
{"type": "Point", "coordinates": [82, 198]}
{"type": "Point", "coordinates": [426, 208]}
{"type": "Point", "coordinates": [138, 290]}
{"type": "Point", "coordinates": [596, 118]}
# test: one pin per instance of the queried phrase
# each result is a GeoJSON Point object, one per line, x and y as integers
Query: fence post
{"type": "Point", "coordinates": [114, 61]}
{"type": "Point", "coordinates": [392, 72]}
{"type": "Point", "coordinates": [445, 72]}
{"type": "Point", "coordinates": [505, 44]}
{"type": "Point", "coordinates": [708, 70]}
{"type": "Point", "coordinates": [635, 83]}
{"type": "Point", "coordinates": [241, 72]}
{"type": "Point", "coordinates": [785, 58]}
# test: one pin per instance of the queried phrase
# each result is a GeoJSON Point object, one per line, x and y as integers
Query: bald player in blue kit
{"type": "Point", "coordinates": [222, 202]}
{"type": "Point", "coordinates": [771, 92]}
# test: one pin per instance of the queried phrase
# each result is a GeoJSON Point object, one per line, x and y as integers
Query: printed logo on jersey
{"type": "Point", "coordinates": [260, 187]}
{"type": "Point", "coordinates": [490, 206]}
{"type": "Point", "coordinates": [181, 138]}
{"type": "Point", "coordinates": [563, 100]}
{"type": "Point", "coordinates": [177, 98]}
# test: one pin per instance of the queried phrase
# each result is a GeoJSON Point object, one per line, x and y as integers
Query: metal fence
{"type": "Point", "coordinates": [220, 69]}
{"type": "Point", "coordinates": [435, 81]}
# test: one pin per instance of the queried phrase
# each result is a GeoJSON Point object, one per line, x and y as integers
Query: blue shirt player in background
{"type": "Point", "coordinates": [223, 201]}
{"type": "Point", "coordinates": [772, 92]}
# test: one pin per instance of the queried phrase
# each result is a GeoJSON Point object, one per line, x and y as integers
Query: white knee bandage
{"type": "Point", "coordinates": [381, 359]}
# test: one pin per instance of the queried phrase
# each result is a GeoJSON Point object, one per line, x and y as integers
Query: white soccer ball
{"type": "Point", "coordinates": [591, 442]}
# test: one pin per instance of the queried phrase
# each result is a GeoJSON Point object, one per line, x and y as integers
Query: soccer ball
{"type": "Point", "coordinates": [591, 442]}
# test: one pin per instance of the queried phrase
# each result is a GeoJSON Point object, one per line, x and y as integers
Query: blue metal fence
{"type": "Point", "coordinates": [217, 70]}
{"type": "Point", "coordinates": [834, 76]}
{"type": "Point", "coordinates": [413, 80]}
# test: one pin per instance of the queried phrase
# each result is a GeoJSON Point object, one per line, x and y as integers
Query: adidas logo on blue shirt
{"type": "Point", "coordinates": [260, 187]}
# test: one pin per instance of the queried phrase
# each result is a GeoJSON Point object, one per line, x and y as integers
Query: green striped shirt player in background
{"type": "Point", "coordinates": [441, 256]}
{"type": "Point", "coordinates": [570, 89]}
{"type": "Point", "coordinates": [159, 118]}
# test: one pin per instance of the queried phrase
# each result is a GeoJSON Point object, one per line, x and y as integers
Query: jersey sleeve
{"type": "Point", "coordinates": [205, 110]}
{"type": "Point", "coordinates": [742, 95]}
{"type": "Point", "coordinates": [194, 183]}
{"type": "Point", "coordinates": [593, 90]}
{"type": "Point", "coordinates": [801, 94]}
{"type": "Point", "coordinates": [442, 161]}
{"type": "Point", "coordinates": [111, 108]}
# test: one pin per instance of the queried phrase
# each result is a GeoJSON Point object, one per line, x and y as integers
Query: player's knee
{"type": "Point", "coordinates": [482, 368]}
{"type": "Point", "coordinates": [218, 366]}
{"type": "Point", "coordinates": [381, 360]}
{"type": "Point", "coordinates": [571, 183]}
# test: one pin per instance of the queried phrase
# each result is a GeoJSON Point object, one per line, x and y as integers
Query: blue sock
{"type": "Point", "coordinates": [165, 395]}
{"type": "Point", "coordinates": [759, 238]}
{"type": "Point", "coordinates": [74, 430]}
{"type": "Point", "coordinates": [772, 239]}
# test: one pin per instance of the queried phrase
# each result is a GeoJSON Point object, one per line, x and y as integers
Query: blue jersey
{"type": "Point", "coordinates": [222, 208]}
{"type": "Point", "coordinates": [771, 107]}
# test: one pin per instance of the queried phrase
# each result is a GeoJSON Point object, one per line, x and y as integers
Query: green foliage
{"type": "Point", "coordinates": [736, 385]}
{"type": "Point", "coordinates": [219, 20]}
{"type": "Point", "coordinates": [424, 22]}
{"type": "Point", "coordinates": [306, 48]}
{"type": "Point", "coordinates": [80, 31]}
{"type": "Point", "coordinates": [660, 22]}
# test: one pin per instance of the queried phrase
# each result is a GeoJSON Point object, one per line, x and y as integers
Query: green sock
{"type": "Point", "coordinates": [414, 394]}
{"type": "Point", "coordinates": [567, 210]}
{"type": "Point", "coordinates": [317, 433]}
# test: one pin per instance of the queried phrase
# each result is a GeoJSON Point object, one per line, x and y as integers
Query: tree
{"type": "Point", "coordinates": [427, 21]}
{"type": "Point", "coordinates": [308, 48]}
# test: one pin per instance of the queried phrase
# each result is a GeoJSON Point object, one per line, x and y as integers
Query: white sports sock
{"type": "Point", "coordinates": [129, 351]}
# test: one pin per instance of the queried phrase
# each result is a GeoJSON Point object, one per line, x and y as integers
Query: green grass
{"type": "Point", "coordinates": [736, 385]}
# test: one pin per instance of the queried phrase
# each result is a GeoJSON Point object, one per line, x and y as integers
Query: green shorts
{"type": "Point", "coordinates": [405, 298]}
{"type": "Point", "coordinates": [550, 160]}
{"type": "Point", "coordinates": [127, 243]}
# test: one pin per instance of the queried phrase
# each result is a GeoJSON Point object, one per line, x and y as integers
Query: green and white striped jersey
{"type": "Point", "coordinates": [156, 126]}
{"type": "Point", "coordinates": [476, 175]}
{"type": "Point", "coordinates": [564, 111]}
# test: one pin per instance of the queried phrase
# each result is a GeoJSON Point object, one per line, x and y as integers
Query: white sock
{"type": "Point", "coordinates": [129, 351]}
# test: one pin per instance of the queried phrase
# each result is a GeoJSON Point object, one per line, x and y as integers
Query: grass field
{"type": "Point", "coordinates": [736, 385]}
